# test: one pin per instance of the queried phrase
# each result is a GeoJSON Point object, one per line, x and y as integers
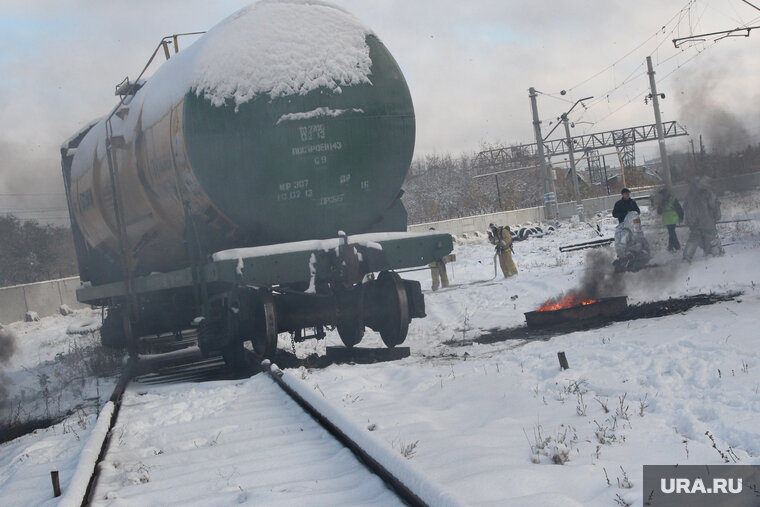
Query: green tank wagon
{"type": "Point", "coordinates": [287, 123]}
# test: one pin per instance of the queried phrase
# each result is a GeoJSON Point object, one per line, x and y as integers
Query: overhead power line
{"type": "Point", "coordinates": [671, 28]}
{"type": "Point", "coordinates": [684, 10]}
{"type": "Point", "coordinates": [723, 34]}
{"type": "Point", "coordinates": [751, 5]}
{"type": "Point", "coordinates": [34, 195]}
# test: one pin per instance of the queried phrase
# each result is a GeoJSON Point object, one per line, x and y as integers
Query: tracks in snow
{"type": "Point", "coordinates": [266, 439]}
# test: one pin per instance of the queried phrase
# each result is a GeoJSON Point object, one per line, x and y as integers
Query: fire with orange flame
{"type": "Point", "coordinates": [568, 301]}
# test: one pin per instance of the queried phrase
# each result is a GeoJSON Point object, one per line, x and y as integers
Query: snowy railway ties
{"type": "Point", "coordinates": [268, 438]}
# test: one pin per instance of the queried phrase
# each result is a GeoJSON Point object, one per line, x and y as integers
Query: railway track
{"type": "Point", "coordinates": [264, 439]}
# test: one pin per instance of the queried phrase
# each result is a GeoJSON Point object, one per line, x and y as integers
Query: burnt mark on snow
{"type": "Point", "coordinates": [647, 310]}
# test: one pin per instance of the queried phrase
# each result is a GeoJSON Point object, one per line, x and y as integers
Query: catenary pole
{"type": "Point", "coordinates": [548, 181]}
{"type": "Point", "coordinates": [574, 174]}
{"type": "Point", "coordinates": [658, 123]}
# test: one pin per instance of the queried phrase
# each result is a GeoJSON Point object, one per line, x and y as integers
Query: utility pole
{"type": "Point", "coordinates": [498, 192]}
{"type": "Point", "coordinates": [693, 153]}
{"type": "Point", "coordinates": [658, 121]}
{"type": "Point", "coordinates": [549, 194]}
{"type": "Point", "coordinates": [578, 202]}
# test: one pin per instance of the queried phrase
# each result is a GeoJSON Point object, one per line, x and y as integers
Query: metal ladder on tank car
{"type": "Point", "coordinates": [126, 91]}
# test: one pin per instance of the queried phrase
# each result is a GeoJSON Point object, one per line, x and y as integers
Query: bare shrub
{"type": "Point", "coordinates": [407, 450]}
{"type": "Point", "coordinates": [557, 448]}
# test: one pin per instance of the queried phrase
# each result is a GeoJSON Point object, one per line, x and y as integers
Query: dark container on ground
{"type": "Point", "coordinates": [602, 308]}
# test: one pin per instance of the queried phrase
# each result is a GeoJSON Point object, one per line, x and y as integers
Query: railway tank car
{"type": "Point", "coordinates": [288, 121]}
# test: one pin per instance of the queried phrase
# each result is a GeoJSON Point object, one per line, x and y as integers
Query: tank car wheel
{"type": "Point", "coordinates": [264, 339]}
{"type": "Point", "coordinates": [351, 331]}
{"type": "Point", "coordinates": [396, 322]}
{"type": "Point", "coordinates": [112, 331]}
{"type": "Point", "coordinates": [208, 333]}
{"type": "Point", "coordinates": [233, 351]}
{"type": "Point", "coordinates": [234, 356]}
{"type": "Point", "coordinates": [349, 319]}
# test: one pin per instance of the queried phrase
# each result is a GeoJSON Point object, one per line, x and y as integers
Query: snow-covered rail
{"type": "Point", "coordinates": [85, 475]}
{"type": "Point", "coordinates": [245, 440]}
{"type": "Point", "coordinates": [409, 483]}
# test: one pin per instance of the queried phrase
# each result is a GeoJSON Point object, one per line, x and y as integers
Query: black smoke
{"type": "Point", "coordinates": [7, 345]}
{"type": "Point", "coordinates": [701, 110]}
{"type": "Point", "coordinates": [7, 349]}
{"type": "Point", "coordinates": [600, 280]}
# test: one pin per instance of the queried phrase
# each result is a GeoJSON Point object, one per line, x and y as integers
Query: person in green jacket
{"type": "Point", "coordinates": [672, 214]}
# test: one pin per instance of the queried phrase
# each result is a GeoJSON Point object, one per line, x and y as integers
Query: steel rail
{"type": "Point", "coordinates": [71, 498]}
{"type": "Point", "coordinates": [374, 464]}
{"type": "Point", "coordinates": [400, 487]}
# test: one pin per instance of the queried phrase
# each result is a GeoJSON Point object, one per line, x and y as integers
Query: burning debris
{"type": "Point", "coordinates": [566, 302]}
{"type": "Point", "coordinates": [599, 281]}
{"type": "Point", "coordinates": [587, 309]}
{"type": "Point", "coordinates": [647, 310]}
{"type": "Point", "coordinates": [599, 293]}
{"type": "Point", "coordinates": [592, 299]}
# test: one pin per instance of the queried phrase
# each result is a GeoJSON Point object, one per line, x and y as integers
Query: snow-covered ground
{"type": "Point", "coordinates": [58, 367]}
{"type": "Point", "coordinates": [496, 424]}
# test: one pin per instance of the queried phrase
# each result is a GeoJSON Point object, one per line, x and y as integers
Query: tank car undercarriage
{"type": "Point", "coordinates": [232, 300]}
{"type": "Point", "coordinates": [260, 314]}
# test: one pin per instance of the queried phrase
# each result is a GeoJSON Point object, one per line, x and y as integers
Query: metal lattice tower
{"type": "Point", "coordinates": [623, 140]}
{"type": "Point", "coordinates": [594, 164]}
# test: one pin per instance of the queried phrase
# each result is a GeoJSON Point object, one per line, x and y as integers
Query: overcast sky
{"type": "Point", "coordinates": [468, 64]}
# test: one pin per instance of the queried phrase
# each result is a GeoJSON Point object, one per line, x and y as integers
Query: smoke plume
{"type": "Point", "coordinates": [7, 349]}
{"type": "Point", "coordinates": [7, 345]}
{"type": "Point", "coordinates": [600, 279]}
{"type": "Point", "coordinates": [700, 109]}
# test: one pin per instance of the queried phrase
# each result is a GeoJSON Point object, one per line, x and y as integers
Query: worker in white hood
{"type": "Point", "coordinates": [631, 246]}
{"type": "Point", "coordinates": [701, 212]}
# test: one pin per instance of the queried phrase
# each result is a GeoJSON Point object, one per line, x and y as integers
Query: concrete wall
{"type": "Point", "coordinates": [458, 226]}
{"type": "Point", "coordinates": [45, 298]}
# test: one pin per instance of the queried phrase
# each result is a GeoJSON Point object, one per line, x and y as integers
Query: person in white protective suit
{"type": "Point", "coordinates": [701, 212]}
{"type": "Point", "coordinates": [631, 246]}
